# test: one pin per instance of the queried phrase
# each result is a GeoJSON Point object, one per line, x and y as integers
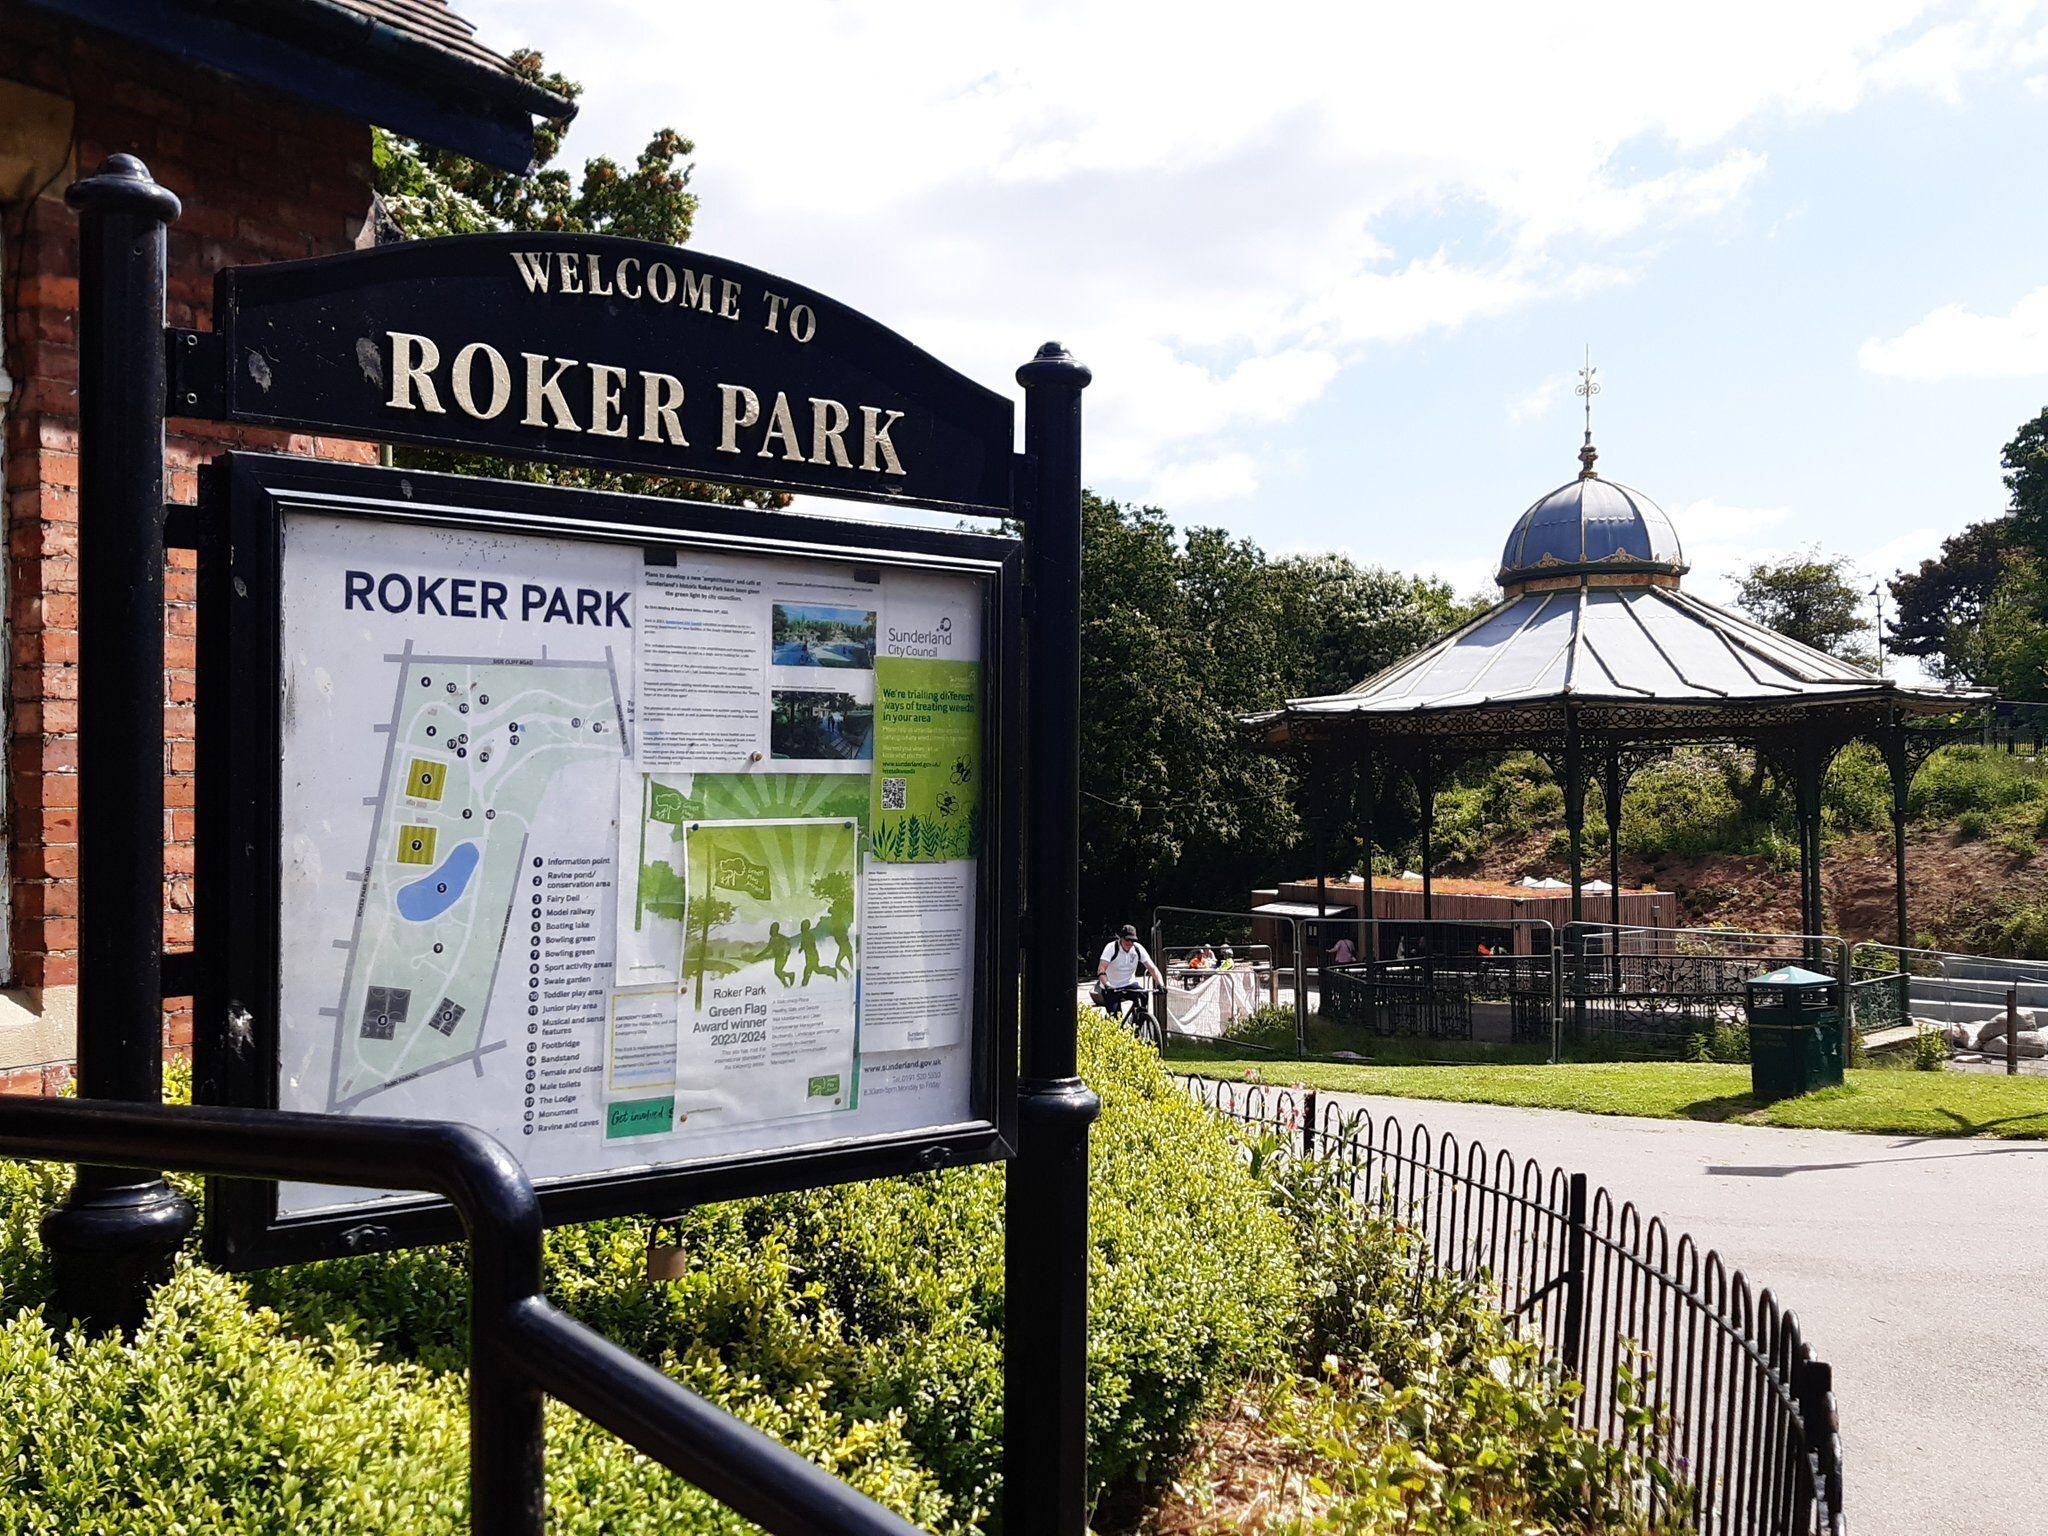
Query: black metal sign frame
{"type": "Point", "coordinates": [242, 680]}
{"type": "Point", "coordinates": [579, 352]}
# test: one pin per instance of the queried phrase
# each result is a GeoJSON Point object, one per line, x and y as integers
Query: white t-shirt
{"type": "Point", "coordinates": [1124, 963]}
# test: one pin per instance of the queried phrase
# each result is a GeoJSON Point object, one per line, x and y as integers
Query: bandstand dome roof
{"type": "Point", "coordinates": [1591, 524]}
{"type": "Point", "coordinates": [1593, 625]}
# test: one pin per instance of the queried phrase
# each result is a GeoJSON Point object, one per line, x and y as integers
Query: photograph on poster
{"type": "Point", "coordinates": [820, 726]}
{"type": "Point", "coordinates": [815, 635]}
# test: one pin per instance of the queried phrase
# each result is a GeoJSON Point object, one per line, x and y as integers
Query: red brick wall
{"type": "Point", "coordinates": [261, 178]}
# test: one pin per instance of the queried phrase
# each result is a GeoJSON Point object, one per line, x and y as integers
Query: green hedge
{"type": "Point", "coordinates": [861, 1325]}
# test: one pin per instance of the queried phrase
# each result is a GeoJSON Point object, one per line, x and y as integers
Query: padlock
{"type": "Point", "coordinates": [666, 1259]}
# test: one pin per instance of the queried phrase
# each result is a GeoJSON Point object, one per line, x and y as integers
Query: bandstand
{"type": "Point", "coordinates": [1597, 659]}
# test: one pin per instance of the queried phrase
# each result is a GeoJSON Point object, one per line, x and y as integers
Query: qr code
{"type": "Point", "coordinates": [895, 794]}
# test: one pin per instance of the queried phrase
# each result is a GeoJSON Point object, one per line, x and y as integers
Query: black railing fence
{"type": "Point", "coordinates": [1740, 1410]}
{"type": "Point", "coordinates": [521, 1350]}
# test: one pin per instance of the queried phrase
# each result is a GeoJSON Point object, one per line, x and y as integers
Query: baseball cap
{"type": "Point", "coordinates": [1127, 932]}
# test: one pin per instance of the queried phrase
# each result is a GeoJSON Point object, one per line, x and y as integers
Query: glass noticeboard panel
{"type": "Point", "coordinates": [642, 855]}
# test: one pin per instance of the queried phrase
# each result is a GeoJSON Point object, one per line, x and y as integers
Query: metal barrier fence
{"type": "Point", "coordinates": [1649, 991]}
{"type": "Point", "coordinates": [521, 1350]}
{"type": "Point", "coordinates": [1424, 979]}
{"type": "Point", "coordinates": [1595, 989]}
{"type": "Point", "coordinates": [1741, 1411]}
{"type": "Point", "coordinates": [1891, 986]}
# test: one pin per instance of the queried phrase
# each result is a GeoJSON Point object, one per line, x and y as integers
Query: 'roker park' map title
{"type": "Point", "coordinates": [471, 597]}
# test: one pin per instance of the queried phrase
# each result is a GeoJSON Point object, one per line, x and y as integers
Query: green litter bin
{"type": "Point", "coordinates": [1795, 1032]}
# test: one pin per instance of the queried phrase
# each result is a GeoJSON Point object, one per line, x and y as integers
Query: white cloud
{"type": "Point", "coordinates": [1205, 482]}
{"type": "Point", "coordinates": [1221, 213]}
{"type": "Point", "coordinates": [1541, 398]}
{"type": "Point", "coordinates": [1953, 342]}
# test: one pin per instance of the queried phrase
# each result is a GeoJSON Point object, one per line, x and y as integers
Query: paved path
{"type": "Point", "coordinates": [1918, 1267]}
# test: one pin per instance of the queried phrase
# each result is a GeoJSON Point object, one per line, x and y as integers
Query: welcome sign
{"type": "Point", "coordinates": [597, 350]}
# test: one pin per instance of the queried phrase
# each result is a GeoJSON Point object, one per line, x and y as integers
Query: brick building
{"type": "Point", "coordinates": [257, 113]}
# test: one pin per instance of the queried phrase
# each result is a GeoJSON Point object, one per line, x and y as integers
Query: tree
{"type": "Point", "coordinates": [1940, 608]}
{"type": "Point", "coordinates": [1343, 621]}
{"type": "Point", "coordinates": [2026, 482]}
{"type": "Point", "coordinates": [1182, 636]}
{"type": "Point", "coordinates": [1812, 598]}
{"type": "Point", "coordinates": [424, 192]}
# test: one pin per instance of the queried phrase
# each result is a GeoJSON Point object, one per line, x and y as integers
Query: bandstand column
{"type": "Point", "coordinates": [1901, 771]}
{"type": "Point", "coordinates": [1575, 813]}
{"type": "Point", "coordinates": [1611, 793]}
{"type": "Point", "coordinates": [1425, 784]}
{"type": "Point", "coordinates": [1807, 793]}
{"type": "Point", "coordinates": [1366, 787]}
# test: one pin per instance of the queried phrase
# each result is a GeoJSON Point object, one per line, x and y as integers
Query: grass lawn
{"type": "Point", "coordinates": [1894, 1102]}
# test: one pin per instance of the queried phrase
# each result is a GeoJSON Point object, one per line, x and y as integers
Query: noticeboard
{"type": "Point", "coordinates": [666, 842]}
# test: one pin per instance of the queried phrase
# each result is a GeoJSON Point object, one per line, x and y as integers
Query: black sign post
{"type": "Point", "coordinates": [1045, 1319]}
{"type": "Point", "coordinates": [628, 357]}
{"type": "Point", "coordinates": [113, 1238]}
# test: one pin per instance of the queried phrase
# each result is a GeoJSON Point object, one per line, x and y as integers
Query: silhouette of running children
{"type": "Point", "coordinates": [807, 941]}
{"type": "Point", "coordinates": [777, 952]}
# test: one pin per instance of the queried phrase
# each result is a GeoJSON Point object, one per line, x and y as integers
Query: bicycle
{"type": "Point", "coordinates": [1132, 1008]}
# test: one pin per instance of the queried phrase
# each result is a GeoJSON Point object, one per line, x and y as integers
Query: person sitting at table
{"type": "Point", "coordinates": [1225, 960]}
{"type": "Point", "coordinates": [1200, 958]}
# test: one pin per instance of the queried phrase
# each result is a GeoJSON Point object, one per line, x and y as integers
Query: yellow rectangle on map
{"type": "Point", "coordinates": [425, 778]}
{"type": "Point", "coordinates": [415, 845]}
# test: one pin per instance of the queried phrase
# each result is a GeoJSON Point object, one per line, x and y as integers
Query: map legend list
{"type": "Point", "coordinates": [568, 973]}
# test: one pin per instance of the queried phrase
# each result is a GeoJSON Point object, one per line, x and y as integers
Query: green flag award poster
{"type": "Point", "coordinates": [927, 779]}
{"type": "Point", "coordinates": [770, 970]}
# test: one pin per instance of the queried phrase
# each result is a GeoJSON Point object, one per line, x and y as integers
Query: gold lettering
{"type": "Point", "coordinates": [775, 303]}
{"type": "Point", "coordinates": [544, 392]}
{"type": "Point", "coordinates": [875, 440]}
{"type": "Point", "coordinates": [607, 389]}
{"type": "Point", "coordinates": [696, 291]}
{"type": "Point", "coordinates": [728, 299]}
{"type": "Point", "coordinates": [781, 424]}
{"type": "Point", "coordinates": [572, 274]}
{"type": "Point", "coordinates": [461, 379]}
{"type": "Point", "coordinates": [803, 325]}
{"type": "Point", "coordinates": [661, 409]}
{"type": "Point", "coordinates": [829, 422]}
{"type": "Point", "coordinates": [661, 282]}
{"type": "Point", "coordinates": [597, 287]}
{"type": "Point", "coordinates": [413, 358]}
{"type": "Point", "coordinates": [628, 265]}
{"type": "Point", "coordinates": [533, 266]}
{"type": "Point", "coordinates": [730, 407]}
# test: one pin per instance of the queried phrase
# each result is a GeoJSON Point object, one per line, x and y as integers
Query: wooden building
{"type": "Point", "coordinates": [1463, 915]}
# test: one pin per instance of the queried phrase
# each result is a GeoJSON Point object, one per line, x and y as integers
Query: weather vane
{"type": "Point", "coordinates": [1589, 386]}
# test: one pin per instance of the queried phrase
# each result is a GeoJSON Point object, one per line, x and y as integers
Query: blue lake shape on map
{"type": "Point", "coordinates": [428, 898]}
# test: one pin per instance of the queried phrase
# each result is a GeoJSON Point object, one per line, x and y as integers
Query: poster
{"type": "Point", "coordinates": [632, 856]}
{"type": "Point", "coordinates": [771, 969]}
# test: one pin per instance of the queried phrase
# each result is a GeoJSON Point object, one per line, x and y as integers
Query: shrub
{"type": "Point", "coordinates": [1722, 1042]}
{"type": "Point", "coordinates": [1930, 1051]}
{"type": "Point", "coordinates": [1960, 780]}
{"type": "Point", "coordinates": [860, 1324]}
{"type": "Point", "coordinates": [1417, 1407]}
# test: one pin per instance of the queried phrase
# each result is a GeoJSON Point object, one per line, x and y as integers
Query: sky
{"type": "Point", "coordinates": [1335, 267]}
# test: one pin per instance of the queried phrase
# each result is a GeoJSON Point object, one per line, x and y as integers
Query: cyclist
{"type": "Point", "coordinates": [1116, 976]}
